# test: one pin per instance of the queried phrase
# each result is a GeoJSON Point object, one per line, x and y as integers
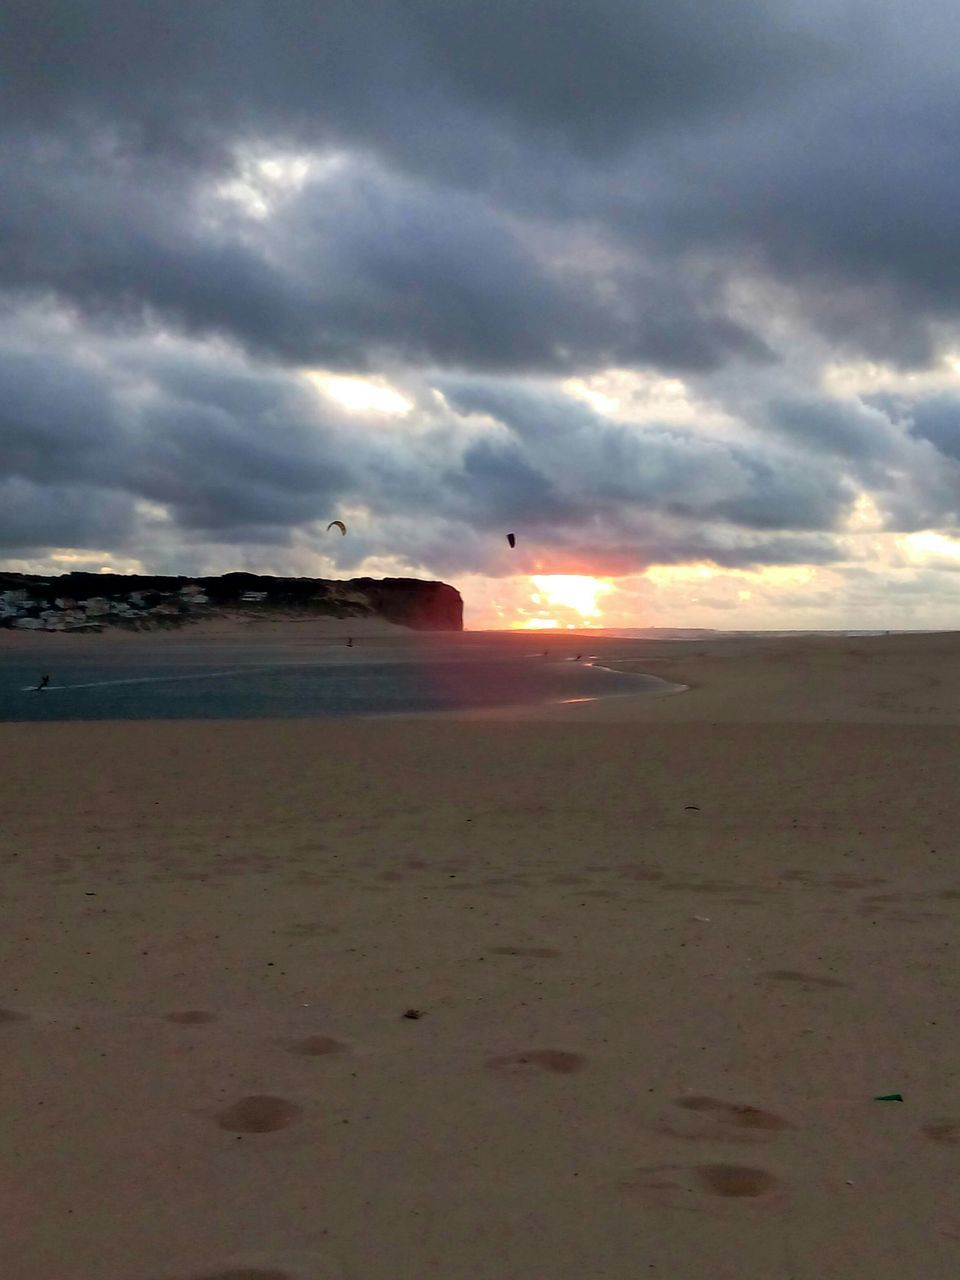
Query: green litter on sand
{"type": "Point", "coordinates": [888, 1097]}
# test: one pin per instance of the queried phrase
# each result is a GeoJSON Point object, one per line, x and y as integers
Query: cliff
{"type": "Point", "coordinates": [93, 601]}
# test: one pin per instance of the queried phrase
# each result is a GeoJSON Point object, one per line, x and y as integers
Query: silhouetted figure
{"type": "Point", "coordinates": [44, 681]}
{"type": "Point", "coordinates": [349, 642]}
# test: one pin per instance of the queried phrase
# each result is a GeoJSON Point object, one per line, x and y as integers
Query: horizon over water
{"type": "Point", "coordinates": [708, 633]}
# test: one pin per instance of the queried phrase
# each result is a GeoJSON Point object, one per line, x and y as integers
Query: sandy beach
{"type": "Point", "coordinates": [665, 954]}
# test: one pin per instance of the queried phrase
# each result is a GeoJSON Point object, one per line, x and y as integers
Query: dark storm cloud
{"type": "Point", "coordinates": [497, 485]}
{"type": "Point", "coordinates": [592, 72]}
{"type": "Point", "coordinates": [849, 199]}
{"type": "Point", "coordinates": [933, 418]}
{"type": "Point", "coordinates": [357, 266]}
{"type": "Point", "coordinates": [903, 454]}
{"type": "Point", "coordinates": [606, 541]}
{"type": "Point", "coordinates": [658, 540]}
{"type": "Point", "coordinates": [216, 471]}
{"type": "Point", "coordinates": [238, 453]}
{"type": "Point", "coordinates": [233, 453]}
{"type": "Point", "coordinates": [117, 116]}
{"type": "Point", "coordinates": [611, 464]}
{"type": "Point", "coordinates": [122, 238]}
{"type": "Point", "coordinates": [844, 428]}
{"type": "Point", "coordinates": [676, 133]}
{"type": "Point", "coordinates": [489, 192]}
{"type": "Point", "coordinates": [35, 517]}
{"type": "Point", "coordinates": [55, 420]}
{"type": "Point", "coordinates": [599, 72]}
{"type": "Point", "coordinates": [775, 550]}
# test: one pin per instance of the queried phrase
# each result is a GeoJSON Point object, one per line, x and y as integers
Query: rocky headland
{"type": "Point", "coordinates": [88, 602]}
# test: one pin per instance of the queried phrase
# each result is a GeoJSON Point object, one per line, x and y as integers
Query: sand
{"type": "Point", "coordinates": [664, 954]}
{"type": "Point", "coordinates": [226, 627]}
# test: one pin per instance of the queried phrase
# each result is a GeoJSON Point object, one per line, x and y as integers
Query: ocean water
{"type": "Point", "coordinates": [694, 633]}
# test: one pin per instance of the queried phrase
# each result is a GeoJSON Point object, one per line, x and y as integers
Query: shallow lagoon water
{"type": "Point", "coordinates": [215, 682]}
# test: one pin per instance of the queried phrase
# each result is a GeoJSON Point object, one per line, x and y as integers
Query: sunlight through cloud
{"type": "Point", "coordinates": [361, 395]}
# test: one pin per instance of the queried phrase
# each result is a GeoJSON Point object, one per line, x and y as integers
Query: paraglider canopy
{"type": "Point", "coordinates": [337, 524]}
{"type": "Point", "coordinates": [512, 539]}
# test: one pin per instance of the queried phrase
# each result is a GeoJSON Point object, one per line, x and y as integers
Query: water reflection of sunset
{"type": "Point", "coordinates": [564, 600]}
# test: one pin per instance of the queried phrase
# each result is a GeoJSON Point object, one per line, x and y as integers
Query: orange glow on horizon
{"type": "Point", "coordinates": [564, 600]}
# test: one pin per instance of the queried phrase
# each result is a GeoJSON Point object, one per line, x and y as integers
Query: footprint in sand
{"type": "Point", "coordinates": [805, 979]}
{"type": "Point", "coordinates": [245, 1273]}
{"type": "Point", "coordinates": [308, 929]}
{"type": "Point", "coordinates": [705, 886]}
{"type": "Point", "coordinates": [680, 1186]}
{"type": "Point", "coordinates": [855, 882]}
{"type": "Point", "coordinates": [736, 1180]}
{"type": "Point", "coordinates": [558, 1061]}
{"type": "Point", "coordinates": [190, 1017]}
{"type": "Point", "coordinates": [536, 953]}
{"type": "Point", "coordinates": [285, 1265]}
{"type": "Point", "coordinates": [734, 1115]}
{"type": "Point", "coordinates": [9, 1016]}
{"type": "Point", "coordinates": [628, 871]}
{"type": "Point", "coordinates": [944, 1132]}
{"type": "Point", "coordinates": [259, 1113]}
{"type": "Point", "coordinates": [316, 1046]}
{"type": "Point", "coordinates": [915, 917]}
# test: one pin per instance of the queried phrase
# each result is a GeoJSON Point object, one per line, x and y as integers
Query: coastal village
{"type": "Point", "coordinates": [23, 610]}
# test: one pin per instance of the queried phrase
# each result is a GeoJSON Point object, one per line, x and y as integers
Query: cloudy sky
{"type": "Point", "coordinates": [669, 289]}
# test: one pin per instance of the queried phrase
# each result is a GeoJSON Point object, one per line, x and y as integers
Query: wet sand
{"type": "Point", "coordinates": [600, 991]}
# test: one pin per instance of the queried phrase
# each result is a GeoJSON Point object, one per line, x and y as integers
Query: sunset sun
{"type": "Point", "coordinates": [566, 600]}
